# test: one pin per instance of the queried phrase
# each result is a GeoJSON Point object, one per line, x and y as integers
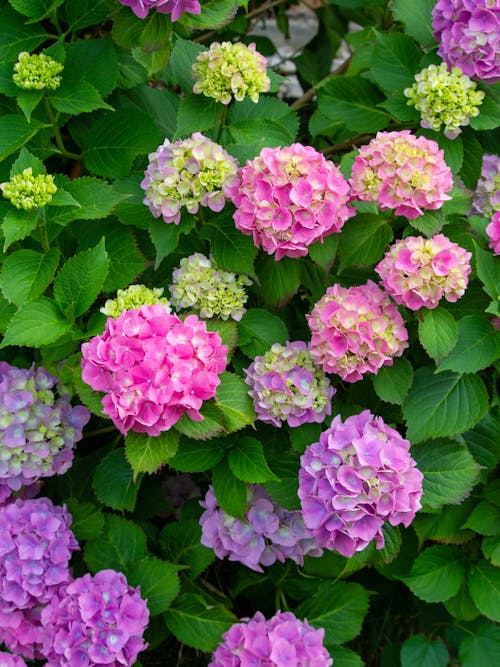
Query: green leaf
{"type": "Point", "coordinates": [437, 332]}
{"type": "Point", "coordinates": [461, 606]}
{"type": "Point", "coordinates": [284, 491]}
{"type": "Point", "coordinates": [196, 114]}
{"type": "Point", "coordinates": [392, 383]}
{"type": "Point", "coordinates": [484, 441]}
{"type": "Point", "coordinates": [258, 330]}
{"type": "Point", "coordinates": [491, 549]}
{"type": "Point", "coordinates": [484, 589]}
{"type": "Point", "coordinates": [481, 647]}
{"type": "Point", "coordinates": [396, 59]}
{"type": "Point", "coordinates": [212, 424]}
{"type": "Point", "coordinates": [489, 115]}
{"type": "Point", "coordinates": [159, 583]}
{"type": "Point", "coordinates": [444, 526]}
{"type": "Point", "coordinates": [449, 472]}
{"type": "Point", "coordinates": [363, 240]}
{"type": "Point", "coordinates": [180, 543]}
{"type": "Point", "coordinates": [230, 248]}
{"type": "Point", "coordinates": [397, 105]}
{"type": "Point", "coordinates": [15, 131]}
{"type": "Point", "coordinates": [181, 60]}
{"type": "Point", "coordinates": [83, 13]}
{"type": "Point", "coordinates": [165, 238]}
{"type": "Point", "coordinates": [430, 223]}
{"type": "Point", "coordinates": [444, 404]}
{"type": "Point", "coordinates": [216, 13]}
{"type": "Point", "coordinates": [24, 160]}
{"type": "Point", "coordinates": [417, 18]}
{"type": "Point", "coordinates": [231, 493]}
{"type": "Point", "coordinates": [93, 61]}
{"type": "Point", "coordinates": [75, 97]}
{"type": "Point", "coordinates": [27, 273]}
{"type": "Point", "coordinates": [485, 519]}
{"type": "Point", "coordinates": [344, 657]}
{"type": "Point", "coordinates": [131, 210]}
{"type": "Point", "coordinates": [437, 573]}
{"type": "Point", "coordinates": [279, 280]}
{"type": "Point", "coordinates": [113, 482]}
{"type": "Point", "coordinates": [419, 651]}
{"type": "Point", "coordinates": [6, 313]}
{"type": "Point", "coordinates": [478, 346]}
{"type": "Point", "coordinates": [121, 546]}
{"type": "Point", "coordinates": [88, 520]}
{"type": "Point", "coordinates": [197, 456]}
{"type": "Point", "coordinates": [80, 280]}
{"type": "Point", "coordinates": [323, 252]}
{"type": "Point", "coordinates": [17, 35]}
{"type": "Point", "coordinates": [28, 100]}
{"type": "Point", "coordinates": [160, 105]}
{"type": "Point", "coordinates": [36, 323]}
{"type": "Point", "coordinates": [246, 460]}
{"type": "Point", "coordinates": [488, 271]}
{"type": "Point", "coordinates": [338, 608]}
{"type": "Point", "coordinates": [233, 401]}
{"type": "Point", "coordinates": [147, 453]}
{"type": "Point", "coordinates": [17, 224]}
{"type": "Point", "coordinates": [155, 43]}
{"type": "Point", "coordinates": [95, 199]}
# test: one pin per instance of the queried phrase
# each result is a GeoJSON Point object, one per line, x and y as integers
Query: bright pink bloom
{"type": "Point", "coordinates": [401, 172]}
{"type": "Point", "coordinates": [288, 198]}
{"type": "Point", "coordinates": [9, 660]}
{"type": "Point", "coordinates": [356, 330]}
{"type": "Point", "coordinates": [173, 7]}
{"type": "Point", "coordinates": [493, 231]}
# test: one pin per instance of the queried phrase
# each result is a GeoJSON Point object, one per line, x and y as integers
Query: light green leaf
{"type": "Point", "coordinates": [478, 346]}
{"type": "Point", "coordinates": [417, 18]}
{"type": "Point", "coordinates": [231, 493]}
{"type": "Point", "coordinates": [419, 651]}
{"type": "Point", "coordinates": [36, 323]}
{"type": "Point", "coordinates": [484, 589]}
{"type": "Point", "coordinates": [246, 460]}
{"type": "Point", "coordinates": [180, 543]}
{"type": "Point", "coordinates": [75, 97]}
{"type": "Point", "coordinates": [437, 573]}
{"type": "Point", "coordinates": [258, 330]}
{"type": "Point", "coordinates": [233, 401]}
{"type": "Point", "coordinates": [95, 199]}
{"type": "Point", "coordinates": [88, 520]}
{"type": "Point", "coordinates": [392, 383]}
{"type": "Point", "coordinates": [437, 332]}
{"type": "Point", "coordinates": [26, 274]}
{"type": "Point", "coordinates": [17, 225]}
{"type": "Point", "coordinates": [212, 424]}
{"type": "Point", "coordinates": [363, 240]}
{"type": "Point", "coordinates": [114, 485]}
{"type": "Point", "coordinates": [28, 100]}
{"type": "Point", "coordinates": [15, 131]}
{"type": "Point", "coordinates": [396, 58]}
{"type": "Point", "coordinates": [122, 545]}
{"type": "Point", "coordinates": [489, 115]}
{"type": "Point", "coordinates": [480, 648]}
{"type": "Point", "coordinates": [159, 583]}
{"type": "Point", "coordinates": [147, 453]}
{"type": "Point", "coordinates": [485, 519]}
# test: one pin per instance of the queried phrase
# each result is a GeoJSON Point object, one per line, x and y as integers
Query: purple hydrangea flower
{"type": "Point", "coordinates": [173, 7]}
{"type": "Point", "coordinates": [487, 195]}
{"type": "Point", "coordinates": [493, 232]}
{"type": "Point", "coordinates": [95, 620]}
{"type": "Point", "coordinates": [37, 430]}
{"type": "Point", "coordinates": [281, 641]}
{"type": "Point", "coordinates": [7, 495]}
{"type": "Point", "coordinates": [9, 660]}
{"type": "Point", "coordinates": [359, 475]}
{"type": "Point", "coordinates": [266, 533]}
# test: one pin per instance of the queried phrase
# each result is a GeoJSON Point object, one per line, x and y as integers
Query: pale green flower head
{"type": "Point", "coordinates": [134, 297]}
{"type": "Point", "coordinates": [230, 70]}
{"type": "Point", "coordinates": [37, 72]}
{"type": "Point", "coordinates": [444, 98]}
{"type": "Point", "coordinates": [27, 191]}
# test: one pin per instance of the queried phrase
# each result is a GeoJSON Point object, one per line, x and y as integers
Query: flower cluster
{"type": "Point", "coordinates": [173, 7]}
{"type": "Point", "coordinates": [287, 385]}
{"type": "Point", "coordinates": [266, 533]}
{"type": "Point", "coordinates": [493, 231]}
{"type": "Point", "coordinates": [198, 283]}
{"type": "Point", "coordinates": [419, 272]}
{"type": "Point", "coordinates": [288, 198]}
{"type": "Point", "coordinates": [27, 191]}
{"type": "Point", "coordinates": [188, 173]}
{"type": "Point", "coordinates": [37, 72]}
{"type": "Point", "coordinates": [358, 476]}
{"type": "Point", "coordinates": [37, 430]}
{"type": "Point", "coordinates": [7, 494]}
{"type": "Point", "coordinates": [444, 98]}
{"type": "Point", "coordinates": [281, 641]}
{"type": "Point", "coordinates": [133, 297]}
{"type": "Point", "coordinates": [227, 70]}
{"type": "Point", "coordinates": [487, 195]}
{"type": "Point", "coordinates": [95, 620]}
{"type": "Point", "coordinates": [468, 32]}
{"type": "Point", "coordinates": [9, 660]}
{"type": "Point", "coordinates": [356, 330]}
{"type": "Point", "coordinates": [153, 368]}
{"type": "Point", "coordinates": [401, 172]}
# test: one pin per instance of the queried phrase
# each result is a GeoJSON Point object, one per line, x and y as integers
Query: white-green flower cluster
{"type": "Point", "coordinates": [134, 297]}
{"type": "Point", "coordinates": [444, 98]}
{"type": "Point", "coordinates": [27, 191]}
{"type": "Point", "coordinates": [37, 72]}
{"type": "Point", "coordinates": [228, 70]}
{"type": "Point", "coordinates": [198, 283]}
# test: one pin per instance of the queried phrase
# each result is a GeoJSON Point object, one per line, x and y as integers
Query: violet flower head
{"type": "Point", "coordinates": [493, 231]}
{"type": "Point", "coordinates": [281, 641]}
{"type": "Point", "coordinates": [418, 272]}
{"type": "Point", "coordinates": [267, 532]}
{"type": "Point", "coordinates": [401, 172]}
{"type": "Point", "coordinates": [7, 495]}
{"type": "Point", "coordinates": [95, 620]}
{"type": "Point", "coordinates": [468, 32]}
{"type": "Point", "coordinates": [10, 660]}
{"type": "Point", "coordinates": [175, 8]}
{"type": "Point", "coordinates": [38, 426]}
{"type": "Point", "coordinates": [356, 330]}
{"type": "Point", "coordinates": [153, 368]}
{"type": "Point", "coordinates": [358, 476]}
{"type": "Point", "coordinates": [287, 385]}
{"type": "Point", "coordinates": [288, 198]}
{"type": "Point", "coordinates": [486, 199]}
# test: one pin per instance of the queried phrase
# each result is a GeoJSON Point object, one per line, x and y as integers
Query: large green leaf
{"type": "Point", "coordinates": [158, 580]}
{"type": "Point", "coordinates": [484, 589]}
{"type": "Point", "coordinates": [484, 441]}
{"type": "Point", "coordinates": [258, 330]}
{"type": "Point", "coordinates": [88, 520]}
{"type": "Point", "coordinates": [114, 485]}
{"type": "Point", "coordinates": [147, 453]}
{"type": "Point", "coordinates": [38, 322]}
{"type": "Point", "coordinates": [279, 281]}
{"type": "Point", "coordinates": [121, 546]}
{"type": "Point", "coordinates": [395, 61]}
{"type": "Point", "coordinates": [17, 225]}
{"type": "Point", "coordinates": [75, 97]}
{"type": "Point", "coordinates": [437, 331]}
{"type": "Point", "coordinates": [83, 13]}
{"type": "Point", "coordinates": [196, 114]}
{"type": "Point", "coordinates": [363, 240]}
{"type": "Point", "coordinates": [419, 651]}
{"type": "Point", "coordinates": [481, 647]}
{"type": "Point", "coordinates": [95, 199]}
{"type": "Point", "coordinates": [246, 460]}
{"type": "Point", "coordinates": [417, 18]}
{"type": "Point", "coordinates": [196, 455]}
{"type": "Point", "coordinates": [15, 131]}
{"type": "Point", "coordinates": [478, 346]}
{"type": "Point", "coordinates": [437, 573]}
{"type": "Point", "coordinates": [180, 542]}
{"type": "Point", "coordinates": [233, 401]}
{"type": "Point", "coordinates": [392, 383]}
{"type": "Point", "coordinates": [231, 492]}
{"type": "Point", "coordinates": [17, 35]}
{"type": "Point", "coordinates": [230, 248]}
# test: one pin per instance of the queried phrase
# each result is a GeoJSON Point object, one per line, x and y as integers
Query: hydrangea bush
{"type": "Point", "coordinates": [249, 311]}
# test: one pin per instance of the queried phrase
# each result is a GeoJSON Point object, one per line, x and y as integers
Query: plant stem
{"type": "Point", "coordinates": [223, 119]}
{"type": "Point", "coordinates": [57, 132]}
{"type": "Point", "coordinates": [42, 231]}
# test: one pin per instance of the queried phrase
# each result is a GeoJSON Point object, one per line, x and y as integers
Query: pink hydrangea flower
{"type": "Point", "coordinates": [281, 641]}
{"type": "Point", "coordinates": [358, 476]}
{"type": "Point", "coordinates": [175, 8]}
{"type": "Point", "coordinates": [468, 32]}
{"type": "Point", "coordinates": [419, 272]}
{"type": "Point", "coordinates": [153, 368]}
{"type": "Point", "coordinates": [288, 198]}
{"type": "Point", "coordinates": [95, 620]}
{"type": "Point", "coordinates": [10, 660]}
{"type": "Point", "coordinates": [486, 199]}
{"type": "Point", "coordinates": [401, 172]}
{"type": "Point", "coordinates": [356, 330]}
{"type": "Point", "coordinates": [493, 231]}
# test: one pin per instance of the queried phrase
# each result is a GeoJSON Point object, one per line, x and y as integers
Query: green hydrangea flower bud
{"type": "Point", "coordinates": [27, 191]}
{"type": "Point", "coordinates": [134, 297]}
{"type": "Point", "coordinates": [228, 70]}
{"type": "Point", "coordinates": [37, 72]}
{"type": "Point", "coordinates": [444, 98]}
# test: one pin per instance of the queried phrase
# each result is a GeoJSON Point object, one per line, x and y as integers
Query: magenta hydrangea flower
{"type": "Point", "coordinates": [358, 476]}
{"type": "Point", "coordinates": [10, 660]}
{"type": "Point", "coordinates": [37, 429]}
{"type": "Point", "coordinates": [175, 8]}
{"type": "Point", "coordinates": [419, 272]}
{"type": "Point", "coordinates": [288, 198]}
{"type": "Point", "coordinates": [95, 620]}
{"type": "Point", "coordinates": [288, 386]}
{"type": "Point", "coordinates": [401, 172]}
{"type": "Point", "coordinates": [153, 368]}
{"type": "Point", "coordinates": [468, 32]}
{"type": "Point", "coordinates": [493, 231]}
{"type": "Point", "coordinates": [35, 548]}
{"type": "Point", "coordinates": [486, 199]}
{"type": "Point", "coordinates": [356, 330]}
{"type": "Point", "coordinates": [281, 641]}
{"type": "Point", "coordinates": [7, 495]}
{"type": "Point", "coordinates": [267, 532]}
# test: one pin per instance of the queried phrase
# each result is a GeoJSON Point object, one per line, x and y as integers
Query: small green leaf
{"type": "Point", "coordinates": [392, 383]}
{"type": "Point", "coordinates": [437, 573]}
{"type": "Point", "coordinates": [489, 115]}
{"type": "Point", "coordinates": [15, 131]}
{"type": "Point", "coordinates": [181, 60]}
{"type": "Point", "coordinates": [165, 238]}
{"type": "Point", "coordinates": [430, 223]}
{"type": "Point", "coordinates": [481, 647]}
{"type": "Point", "coordinates": [196, 114]}
{"type": "Point", "coordinates": [233, 401]}
{"type": "Point", "coordinates": [438, 332]}
{"type": "Point", "coordinates": [230, 248]}
{"type": "Point", "coordinates": [258, 330]}
{"type": "Point", "coordinates": [485, 519]}
{"type": "Point", "coordinates": [27, 273]}
{"type": "Point", "coordinates": [478, 346]}
{"type": "Point", "coordinates": [147, 453]}
{"type": "Point", "coordinates": [212, 424]}
{"type": "Point", "coordinates": [344, 657]}
{"type": "Point", "coordinates": [461, 606]}
{"type": "Point", "coordinates": [444, 526]}
{"type": "Point", "coordinates": [484, 589]}
{"type": "Point", "coordinates": [246, 460]}
{"type": "Point", "coordinates": [231, 493]}
{"type": "Point", "coordinates": [484, 441]}
{"type": "Point", "coordinates": [159, 583]}
{"type": "Point", "coordinates": [363, 240]}
{"type": "Point", "coordinates": [75, 97]}
{"type": "Point", "coordinates": [114, 485]}
{"type": "Point", "coordinates": [491, 549]}
{"type": "Point", "coordinates": [17, 225]}
{"type": "Point", "coordinates": [88, 520]}
{"type": "Point", "coordinates": [180, 543]}
{"type": "Point", "coordinates": [121, 546]}
{"type": "Point", "coordinates": [417, 18]}
{"type": "Point", "coordinates": [36, 323]}
{"type": "Point", "coordinates": [94, 198]}
{"type": "Point", "coordinates": [279, 280]}
{"type": "Point", "coordinates": [28, 100]}
{"type": "Point", "coordinates": [419, 651]}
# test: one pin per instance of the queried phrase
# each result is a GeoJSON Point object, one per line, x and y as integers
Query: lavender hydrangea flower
{"type": "Point", "coordinates": [175, 8]}
{"type": "Point", "coordinates": [486, 199]}
{"type": "Point", "coordinates": [37, 430]}
{"type": "Point", "coordinates": [358, 476]}
{"type": "Point", "coordinates": [266, 533]}
{"type": "Point", "coordinates": [10, 660]}
{"type": "Point", "coordinates": [287, 385]}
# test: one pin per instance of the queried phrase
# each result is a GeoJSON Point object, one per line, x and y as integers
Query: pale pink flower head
{"type": "Point", "coordinates": [419, 272]}
{"type": "Point", "coordinates": [288, 198]}
{"type": "Point", "coordinates": [486, 199]}
{"type": "Point", "coordinates": [281, 641]}
{"type": "Point", "coordinates": [401, 172]}
{"type": "Point", "coordinates": [357, 477]}
{"type": "Point", "coordinates": [10, 660]}
{"type": "Point", "coordinates": [468, 32]}
{"type": "Point", "coordinates": [356, 330]}
{"type": "Point", "coordinates": [493, 231]}
{"type": "Point", "coordinates": [175, 8]}
{"type": "Point", "coordinates": [153, 368]}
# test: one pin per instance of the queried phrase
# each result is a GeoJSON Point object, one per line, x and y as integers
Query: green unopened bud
{"type": "Point", "coordinates": [37, 72]}
{"type": "Point", "coordinates": [134, 297]}
{"type": "Point", "coordinates": [27, 191]}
